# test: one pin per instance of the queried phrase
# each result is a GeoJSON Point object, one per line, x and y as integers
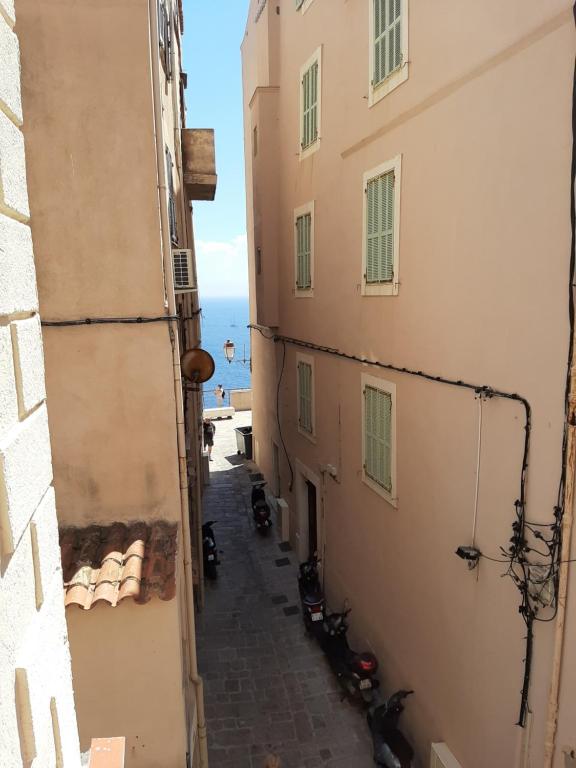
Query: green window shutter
{"type": "Point", "coordinates": [299, 4]}
{"type": "Point", "coordinates": [305, 396]}
{"type": "Point", "coordinates": [378, 436]}
{"type": "Point", "coordinates": [380, 229]}
{"type": "Point", "coordinates": [303, 252]}
{"type": "Point", "coordinates": [310, 106]}
{"type": "Point", "coordinates": [387, 38]}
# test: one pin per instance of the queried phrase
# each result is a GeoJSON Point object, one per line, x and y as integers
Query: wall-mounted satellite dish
{"type": "Point", "coordinates": [197, 365]}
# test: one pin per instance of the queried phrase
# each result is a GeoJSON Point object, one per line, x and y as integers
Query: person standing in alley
{"type": "Point", "coordinates": [219, 394]}
{"type": "Point", "coordinates": [209, 430]}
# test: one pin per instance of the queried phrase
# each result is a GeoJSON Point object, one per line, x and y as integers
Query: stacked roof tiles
{"type": "Point", "coordinates": [112, 562]}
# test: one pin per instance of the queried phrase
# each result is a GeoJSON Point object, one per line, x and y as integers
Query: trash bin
{"type": "Point", "coordinates": [244, 441]}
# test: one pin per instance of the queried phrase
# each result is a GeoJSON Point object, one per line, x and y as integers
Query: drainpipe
{"type": "Point", "coordinates": [181, 442]}
{"type": "Point", "coordinates": [192, 307]}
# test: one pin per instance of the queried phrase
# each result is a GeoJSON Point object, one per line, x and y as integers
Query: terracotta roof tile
{"type": "Point", "coordinates": [116, 561]}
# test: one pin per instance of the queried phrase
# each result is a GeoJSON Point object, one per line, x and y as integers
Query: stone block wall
{"type": "Point", "coordinates": [37, 716]}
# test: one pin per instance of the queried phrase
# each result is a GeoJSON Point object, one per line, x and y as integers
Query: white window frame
{"type": "Point", "coordinates": [306, 293]}
{"type": "Point", "coordinates": [315, 146]}
{"type": "Point", "coordinates": [390, 388]}
{"type": "Point", "coordinates": [309, 360]}
{"type": "Point", "coordinates": [305, 5]}
{"type": "Point", "coordinates": [391, 288]}
{"type": "Point", "coordinates": [400, 75]}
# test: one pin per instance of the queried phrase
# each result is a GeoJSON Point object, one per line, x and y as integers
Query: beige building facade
{"type": "Point", "coordinates": [37, 714]}
{"type": "Point", "coordinates": [409, 230]}
{"type": "Point", "coordinates": [112, 172]}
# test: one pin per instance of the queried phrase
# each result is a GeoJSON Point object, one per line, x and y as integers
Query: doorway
{"type": "Point", "coordinates": [308, 534]}
{"type": "Point", "coordinates": [312, 519]}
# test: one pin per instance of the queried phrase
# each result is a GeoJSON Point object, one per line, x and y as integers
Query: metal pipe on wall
{"type": "Point", "coordinates": [190, 304]}
{"type": "Point", "coordinates": [177, 380]}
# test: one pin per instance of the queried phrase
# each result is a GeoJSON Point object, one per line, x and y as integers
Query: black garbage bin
{"type": "Point", "coordinates": [244, 441]}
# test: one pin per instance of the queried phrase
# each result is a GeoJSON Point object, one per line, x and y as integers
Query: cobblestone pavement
{"type": "Point", "coordinates": [268, 688]}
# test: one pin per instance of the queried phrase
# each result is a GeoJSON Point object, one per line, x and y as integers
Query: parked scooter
{"type": "Point", "coordinates": [260, 508]}
{"type": "Point", "coordinates": [355, 671]}
{"type": "Point", "coordinates": [209, 551]}
{"type": "Point", "coordinates": [391, 749]}
{"type": "Point", "coordinates": [311, 596]}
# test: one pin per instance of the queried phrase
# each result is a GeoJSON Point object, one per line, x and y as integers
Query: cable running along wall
{"type": "Point", "coordinates": [531, 569]}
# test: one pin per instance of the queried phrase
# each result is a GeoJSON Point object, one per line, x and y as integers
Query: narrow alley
{"type": "Point", "coordinates": [269, 691]}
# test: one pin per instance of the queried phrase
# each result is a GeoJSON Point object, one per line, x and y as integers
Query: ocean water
{"type": "Point", "coordinates": [222, 319]}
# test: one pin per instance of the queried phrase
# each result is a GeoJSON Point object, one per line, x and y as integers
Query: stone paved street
{"type": "Point", "coordinates": [268, 689]}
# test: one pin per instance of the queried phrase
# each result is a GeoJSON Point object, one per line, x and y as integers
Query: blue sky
{"type": "Point", "coordinates": [211, 56]}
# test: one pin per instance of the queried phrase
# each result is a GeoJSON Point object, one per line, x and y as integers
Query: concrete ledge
{"type": "Point", "coordinates": [10, 99]}
{"type": "Point", "coordinates": [7, 10]}
{"type": "Point", "coordinates": [25, 474]}
{"type": "Point", "coordinates": [13, 189]}
{"type": "Point", "coordinates": [29, 363]}
{"type": "Point", "coordinates": [241, 399]}
{"type": "Point", "coordinates": [18, 284]}
{"type": "Point", "coordinates": [8, 401]}
{"type": "Point", "coordinates": [219, 413]}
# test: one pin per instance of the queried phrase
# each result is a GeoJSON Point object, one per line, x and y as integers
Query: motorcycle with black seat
{"type": "Point", "coordinates": [260, 508]}
{"type": "Point", "coordinates": [311, 596]}
{"type": "Point", "coordinates": [355, 671]}
{"type": "Point", "coordinates": [391, 749]}
{"type": "Point", "coordinates": [209, 551]}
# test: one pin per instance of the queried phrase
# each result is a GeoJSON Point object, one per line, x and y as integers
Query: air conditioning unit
{"type": "Point", "coordinates": [441, 757]}
{"type": "Point", "coordinates": [183, 270]}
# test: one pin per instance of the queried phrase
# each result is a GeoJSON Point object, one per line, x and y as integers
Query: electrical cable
{"type": "Point", "coordinates": [108, 321]}
{"type": "Point", "coordinates": [516, 554]}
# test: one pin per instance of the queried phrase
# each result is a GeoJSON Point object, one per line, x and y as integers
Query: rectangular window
{"type": "Point", "coordinates": [304, 249]}
{"type": "Point", "coordinates": [165, 38]}
{"type": "Point", "coordinates": [381, 229]}
{"type": "Point", "coordinates": [305, 394]}
{"type": "Point", "coordinates": [171, 199]}
{"type": "Point", "coordinates": [310, 90]}
{"type": "Point", "coordinates": [388, 46]}
{"type": "Point", "coordinates": [378, 404]}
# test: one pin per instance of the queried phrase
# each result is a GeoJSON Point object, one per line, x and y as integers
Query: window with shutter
{"type": "Point", "coordinates": [388, 46]}
{"type": "Point", "coordinates": [303, 252]}
{"type": "Point", "coordinates": [379, 450]}
{"type": "Point", "coordinates": [165, 38]}
{"type": "Point", "coordinates": [171, 199]}
{"type": "Point", "coordinates": [387, 38]}
{"type": "Point", "coordinates": [310, 106]}
{"type": "Point", "coordinates": [380, 229]}
{"type": "Point", "coordinates": [310, 88]}
{"type": "Point", "coordinates": [305, 396]}
{"type": "Point", "coordinates": [381, 236]}
{"type": "Point", "coordinates": [377, 436]}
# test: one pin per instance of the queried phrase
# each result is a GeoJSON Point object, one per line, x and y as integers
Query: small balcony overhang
{"type": "Point", "coordinates": [199, 160]}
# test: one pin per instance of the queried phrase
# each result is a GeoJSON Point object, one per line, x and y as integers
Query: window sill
{"type": "Point", "coordinates": [304, 293]}
{"type": "Point", "coordinates": [310, 149]}
{"type": "Point", "coordinates": [387, 496]}
{"type": "Point", "coordinates": [386, 86]}
{"type": "Point", "coordinates": [379, 289]}
{"type": "Point", "coordinates": [308, 435]}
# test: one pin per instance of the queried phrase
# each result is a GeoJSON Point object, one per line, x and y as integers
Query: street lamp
{"type": "Point", "coordinates": [229, 350]}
